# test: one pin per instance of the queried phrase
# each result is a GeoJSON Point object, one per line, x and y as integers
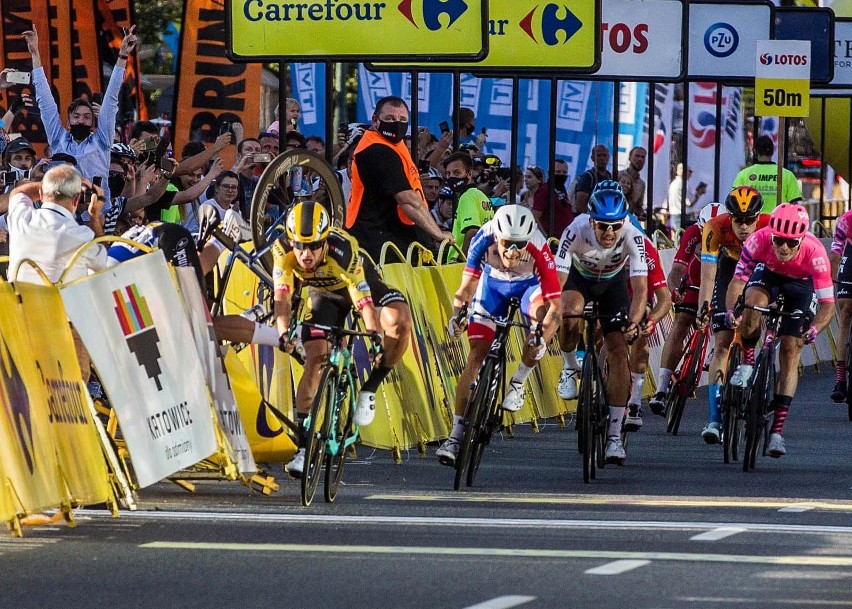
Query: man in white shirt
{"type": "Point", "coordinates": [49, 235]}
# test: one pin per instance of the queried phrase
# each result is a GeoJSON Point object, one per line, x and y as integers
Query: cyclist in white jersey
{"type": "Point", "coordinates": [592, 264]}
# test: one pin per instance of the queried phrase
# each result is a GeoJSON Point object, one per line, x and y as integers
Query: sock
{"type": "Point", "coordinates": [638, 384]}
{"type": "Point", "coordinates": [748, 351]}
{"type": "Point", "coordinates": [458, 426]}
{"type": "Point", "coordinates": [663, 380]}
{"type": "Point", "coordinates": [300, 419]}
{"type": "Point", "coordinates": [265, 335]}
{"type": "Point", "coordinates": [569, 360]}
{"type": "Point", "coordinates": [715, 407]}
{"type": "Point", "coordinates": [375, 379]}
{"type": "Point", "coordinates": [782, 407]}
{"type": "Point", "coordinates": [840, 371]}
{"type": "Point", "coordinates": [616, 413]}
{"type": "Point", "coordinates": [520, 377]}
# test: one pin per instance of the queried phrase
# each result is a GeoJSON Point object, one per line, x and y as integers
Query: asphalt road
{"type": "Point", "coordinates": [674, 527]}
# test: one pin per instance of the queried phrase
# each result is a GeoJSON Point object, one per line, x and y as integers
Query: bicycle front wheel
{"type": "Point", "coordinates": [731, 397]}
{"type": "Point", "coordinates": [757, 397]}
{"type": "Point", "coordinates": [491, 420]}
{"type": "Point", "coordinates": [689, 383]}
{"type": "Point", "coordinates": [586, 409]}
{"type": "Point", "coordinates": [475, 416]}
{"type": "Point", "coordinates": [317, 434]}
{"type": "Point", "coordinates": [342, 428]}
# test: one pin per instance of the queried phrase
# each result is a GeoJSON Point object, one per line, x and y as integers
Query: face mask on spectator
{"type": "Point", "coordinates": [456, 183]}
{"type": "Point", "coordinates": [80, 132]}
{"type": "Point", "coordinates": [393, 131]}
{"type": "Point", "coordinates": [559, 181]}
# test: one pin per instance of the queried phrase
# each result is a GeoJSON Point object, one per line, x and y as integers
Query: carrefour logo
{"type": "Point", "coordinates": [555, 23]}
{"type": "Point", "coordinates": [721, 39]}
{"type": "Point", "coordinates": [433, 10]}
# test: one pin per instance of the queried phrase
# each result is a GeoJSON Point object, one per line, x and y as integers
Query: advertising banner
{"type": "Point", "coordinates": [213, 364]}
{"type": "Point", "coordinates": [81, 458]}
{"type": "Point", "coordinates": [352, 31]}
{"type": "Point", "coordinates": [26, 444]}
{"type": "Point", "coordinates": [86, 58]}
{"type": "Point", "coordinates": [133, 324]}
{"type": "Point", "coordinates": [308, 85]}
{"type": "Point", "coordinates": [210, 89]}
{"type": "Point", "coordinates": [113, 15]}
{"type": "Point", "coordinates": [782, 78]}
{"type": "Point", "coordinates": [59, 71]}
{"type": "Point", "coordinates": [723, 38]}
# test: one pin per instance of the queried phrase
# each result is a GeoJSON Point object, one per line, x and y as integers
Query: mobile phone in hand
{"type": "Point", "coordinates": [19, 78]}
{"type": "Point", "coordinates": [96, 181]}
{"type": "Point", "coordinates": [227, 128]}
{"type": "Point", "coordinates": [484, 131]}
{"type": "Point", "coordinates": [97, 98]}
{"type": "Point", "coordinates": [444, 126]}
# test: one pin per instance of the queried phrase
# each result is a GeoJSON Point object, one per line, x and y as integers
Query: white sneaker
{"type": "Point", "coordinates": [448, 451]}
{"type": "Point", "coordinates": [615, 451]}
{"type": "Point", "coordinates": [776, 446]}
{"type": "Point", "coordinates": [633, 420]}
{"type": "Point", "coordinates": [366, 410]}
{"type": "Point", "coordinates": [712, 432]}
{"type": "Point", "coordinates": [297, 464]}
{"type": "Point", "coordinates": [742, 375]}
{"type": "Point", "coordinates": [514, 399]}
{"type": "Point", "coordinates": [658, 403]}
{"type": "Point", "coordinates": [567, 388]}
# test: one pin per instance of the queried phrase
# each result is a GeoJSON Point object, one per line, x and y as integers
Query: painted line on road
{"type": "Point", "coordinates": [813, 561]}
{"type": "Point", "coordinates": [797, 509]}
{"type": "Point", "coordinates": [503, 602]}
{"type": "Point", "coordinates": [702, 502]}
{"type": "Point", "coordinates": [754, 602]}
{"type": "Point", "coordinates": [538, 523]}
{"type": "Point", "coordinates": [718, 533]}
{"type": "Point", "coordinates": [617, 567]}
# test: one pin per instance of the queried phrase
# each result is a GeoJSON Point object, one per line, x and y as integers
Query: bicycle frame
{"type": "Point", "coordinates": [686, 377]}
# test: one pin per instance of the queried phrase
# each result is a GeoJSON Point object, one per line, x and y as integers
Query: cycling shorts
{"type": "Point", "coordinates": [798, 294]}
{"type": "Point", "coordinates": [689, 302]}
{"type": "Point", "coordinates": [844, 275]}
{"type": "Point", "coordinates": [724, 274]}
{"type": "Point", "coordinates": [610, 295]}
{"type": "Point", "coordinates": [492, 297]}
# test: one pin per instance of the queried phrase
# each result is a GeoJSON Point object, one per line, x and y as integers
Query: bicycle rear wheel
{"type": "Point", "coordinates": [335, 463]}
{"type": "Point", "coordinates": [477, 411]}
{"type": "Point", "coordinates": [318, 433]}
{"type": "Point", "coordinates": [689, 382]}
{"type": "Point", "coordinates": [731, 398]}
{"type": "Point", "coordinates": [586, 409]}
{"type": "Point", "coordinates": [490, 421]}
{"type": "Point", "coordinates": [754, 424]}
{"type": "Point", "coordinates": [601, 421]}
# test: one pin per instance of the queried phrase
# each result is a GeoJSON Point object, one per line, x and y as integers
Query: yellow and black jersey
{"type": "Point", "coordinates": [341, 269]}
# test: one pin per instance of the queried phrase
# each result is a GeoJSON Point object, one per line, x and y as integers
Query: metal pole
{"type": "Point", "coordinates": [616, 103]}
{"type": "Point", "coordinates": [551, 158]}
{"type": "Point", "coordinates": [282, 102]}
{"type": "Point", "coordinates": [329, 112]}
{"type": "Point", "coordinates": [415, 109]}
{"type": "Point", "coordinates": [513, 157]}
{"type": "Point", "coordinates": [456, 105]}
{"type": "Point", "coordinates": [717, 154]}
{"type": "Point", "coordinates": [652, 131]}
{"type": "Point", "coordinates": [685, 143]}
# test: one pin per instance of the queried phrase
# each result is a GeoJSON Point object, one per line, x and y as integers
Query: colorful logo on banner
{"type": "Point", "coordinates": [432, 11]}
{"type": "Point", "coordinates": [139, 330]}
{"type": "Point", "coordinates": [721, 39]}
{"type": "Point", "coordinates": [18, 406]}
{"type": "Point", "coordinates": [550, 25]}
{"type": "Point", "coordinates": [703, 128]}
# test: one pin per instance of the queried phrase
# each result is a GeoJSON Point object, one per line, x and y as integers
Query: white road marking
{"type": "Point", "coordinates": [796, 509]}
{"type": "Point", "coordinates": [537, 523]}
{"type": "Point", "coordinates": [617, 567]}
{"type": "Point", "coordinates": [798, 560]}
{"type": "Point", "coordinates": [503, 602]}
{"type": "Point", "coordinates": [796, 602]}
{"type": "Point", "coordinates": [718, 533]}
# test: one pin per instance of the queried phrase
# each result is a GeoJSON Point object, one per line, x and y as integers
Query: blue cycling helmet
{"type": "Point", "coordinates": [607, 205]}
{"type": "Point", "coordinates": [607, 185]}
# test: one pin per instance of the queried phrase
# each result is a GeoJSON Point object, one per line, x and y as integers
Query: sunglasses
{"type": "Point", "coordinates": [791, 243]}
{"type": "Point", "coordinates": [509, 244]}
{"type": "Point", "coordinates": [492, 161]}
{"type": "Point", "coordinates": [313, 245]}
{"type": "Point", "coordinates": [605, 226]}
{"type": "Point", "coordinates": [745, 221]}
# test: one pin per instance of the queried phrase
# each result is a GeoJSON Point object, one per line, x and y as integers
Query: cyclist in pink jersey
{"type": "Point", "coordinates": [783, 258]}
{"type": "Point", "coordinates": [840, 257]}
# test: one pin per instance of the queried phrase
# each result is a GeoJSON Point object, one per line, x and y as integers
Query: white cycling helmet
{"type": "Point", "coordinates": [710, 211]}
{"type": "Point", "coordinates": [514, 223]}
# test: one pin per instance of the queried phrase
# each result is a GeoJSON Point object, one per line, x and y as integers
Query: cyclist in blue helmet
{"type": "Point", "coordinates": [607, 185]}
{"type": "Point", "coordinates": [599, 254]}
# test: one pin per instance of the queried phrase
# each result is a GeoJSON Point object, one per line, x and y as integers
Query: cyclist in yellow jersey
{"type": "Point", "coordinates": [327, 261]}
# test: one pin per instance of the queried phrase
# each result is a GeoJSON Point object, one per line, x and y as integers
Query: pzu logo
{"type": "Point", "coordinates": [432, 12]}
{"type": "Point", "coordinates": [721, 39]}
{"type": "Point", "coordinates": [553, 28]}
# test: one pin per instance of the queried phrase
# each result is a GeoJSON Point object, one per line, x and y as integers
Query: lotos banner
{"type": "Point", "coordinates": [215, 372]}
{"type": "Point", "coordinates": [131, 320]}
{"type": "Point", "coordinates": [210, 89]}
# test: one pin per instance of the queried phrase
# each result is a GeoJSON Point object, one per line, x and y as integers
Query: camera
{"type": "Point", "coordinates": [226, 128]}
{"type": "Point", "coordinates": [19, 78]}
{"type": "Point", "coordinates": [262, 157]}
{"type": "Point", "coordinates": [504, 173]}
{"type": "Point", "coordinates": [8, 177]}
{"type": "Point", "coordinates": [150, 145]}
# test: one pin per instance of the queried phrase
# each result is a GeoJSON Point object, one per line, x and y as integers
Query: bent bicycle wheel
{"type": "Point", "coordinates": [292, 176]}
{"type": "Point", "coordinates": [477, 409]}
{"type": "Point", "coordinates": [317, 434]}
{"type": "Point", "coordinates": [342, 427]}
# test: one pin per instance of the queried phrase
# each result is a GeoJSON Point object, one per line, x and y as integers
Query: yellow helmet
{"type": "Point", "coordinates": [308, 222]}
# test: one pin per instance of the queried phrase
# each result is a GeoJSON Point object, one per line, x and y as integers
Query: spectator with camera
{"type": "Point", "coordinates": [562, 212]}
{"type": "Point", "coordinates": [20, 157]}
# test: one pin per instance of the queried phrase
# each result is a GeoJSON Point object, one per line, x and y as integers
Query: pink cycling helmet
{"type": "Point", "coordinates": [789, 221]}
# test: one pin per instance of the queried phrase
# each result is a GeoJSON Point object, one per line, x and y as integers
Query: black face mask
{"type": "Point", "coordinates": [455, 183]}
{"type": "Point", "coordinates": [393, 132]}
{"type": "Point", "coordinates": [116, 185]}
{"type": "Point", "coordinates": [559, 181]}
{"type": "Point", "coordinates": [80, 132]}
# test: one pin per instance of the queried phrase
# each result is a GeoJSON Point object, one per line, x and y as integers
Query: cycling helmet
{"type": "Point", "coordinates": [607, 185]}
{"type": "Point", "coordinates": [744, 202]}
{"type": "Point", "coordinates": [122, 150]}
{"type": "Point", "coordinates": [432, 174]}
{"type": "Point", "coordinates": [514, 223]}
{"type": "Point", "coordinates": [308, 222]}
{"type": "Point", "coordinates": [789, 221]}
{"type": "Point", "coordinates": [445, 193]}
{"type": "Point", "coordinates": [710, 211]}
{"type": "Point", "coordinates": [607, 205]}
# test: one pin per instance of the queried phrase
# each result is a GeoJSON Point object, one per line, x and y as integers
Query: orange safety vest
{"type": "Point", "coordinates": [411, 173]}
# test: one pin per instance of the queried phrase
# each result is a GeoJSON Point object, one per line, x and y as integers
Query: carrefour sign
{"type": "Point", "coordinates": [723, 38]}
{"type": "Point", "coordinates": [534, 36]}
{"type": "Point", "coordinates": [353, 30]}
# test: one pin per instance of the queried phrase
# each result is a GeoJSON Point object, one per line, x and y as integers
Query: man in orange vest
{"type": "Point", "coordinates": [387, 200]}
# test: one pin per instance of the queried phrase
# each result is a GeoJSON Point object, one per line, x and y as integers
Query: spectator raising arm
{"type": "Point", "coordinates": [201, 159]}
